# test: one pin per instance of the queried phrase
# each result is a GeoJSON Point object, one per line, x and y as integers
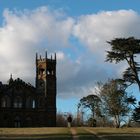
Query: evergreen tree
{"type": "Point", "coordinates": [126, 49]}
{"type": "Point", "coordinates": [91, 102]}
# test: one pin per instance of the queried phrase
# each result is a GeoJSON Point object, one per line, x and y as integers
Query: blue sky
{"type": "Point", "coordinates": [77, 30]}
{"type": "Point", "coordinates": [72, 7]}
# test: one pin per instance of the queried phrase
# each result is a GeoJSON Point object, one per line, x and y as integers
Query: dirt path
{"type": "Point", "coordinates": [95, 136]}
{"type": "Point", "coordinates": [74, 134]}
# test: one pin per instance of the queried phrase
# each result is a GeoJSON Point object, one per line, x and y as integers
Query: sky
{"type": "Point", "coordinates": [77, 30]}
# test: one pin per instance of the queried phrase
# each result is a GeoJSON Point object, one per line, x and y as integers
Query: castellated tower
{"type": "Point", "coordinates": [46, 85]}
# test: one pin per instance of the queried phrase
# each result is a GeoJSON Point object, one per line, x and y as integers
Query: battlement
{"type": "Point", "coordinates": [40, 59]}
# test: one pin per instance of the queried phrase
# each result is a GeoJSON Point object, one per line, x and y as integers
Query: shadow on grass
{"type": "Point", "coordinates": [36, 137]}
{"type": "Point", "coordinates": [88, 137]}
{"type": "Point", "coordinates": [49, 138]}
{"type": "Point", "coordinates": [122, 137]}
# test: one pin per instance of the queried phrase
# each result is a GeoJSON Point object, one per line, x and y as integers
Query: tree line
{"type": "Point", "coordinates": [112, 104]}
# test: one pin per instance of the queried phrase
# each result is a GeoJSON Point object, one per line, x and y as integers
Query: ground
{"type": "Point", "coordinates": [73, 133]}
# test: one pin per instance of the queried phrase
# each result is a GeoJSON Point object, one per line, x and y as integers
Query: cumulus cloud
{"type": "Point", "coordinates": [95, 29]}
{"type": "Point", "coordinates": [80, 44]}
{"type": "Point", "coordinates": [25, 32]}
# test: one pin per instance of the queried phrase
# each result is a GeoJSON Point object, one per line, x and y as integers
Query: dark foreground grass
{"type": "Point", "coordinates": [37, 138]}
{"type": "Point", "coordinates": [113, 137]}
{"type": "Point", "coordinates": [116, 133]}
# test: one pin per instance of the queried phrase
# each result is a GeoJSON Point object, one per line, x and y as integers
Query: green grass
{"type": "Point", "coordinates": [35, 133]}
{"type": "Point", "coordinates": [32, 131]}
{"type": "Point", "coordinates": [63, 133]}
{"type": "Point", "coordinates": [116, 133]}
{"type": "Point", "coordinates": [109, 130]}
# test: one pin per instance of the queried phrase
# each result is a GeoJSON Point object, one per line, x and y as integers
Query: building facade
{"type": "Point", "coordinates": [23, 105]}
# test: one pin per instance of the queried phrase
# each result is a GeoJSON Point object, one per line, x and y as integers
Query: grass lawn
{"type": "Point", "coordinates": [63, 133]}
{"type": "Point", "coordinates": [35, 133]}
{"type": "Point", "coordinates": [116, 133]}
{"type": "Point", "coordinates": [85, 134]}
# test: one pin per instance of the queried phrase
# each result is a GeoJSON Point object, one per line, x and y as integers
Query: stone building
{"type": "Point", "coordinates": [23, 105]}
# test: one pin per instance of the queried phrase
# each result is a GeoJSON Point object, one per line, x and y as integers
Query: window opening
{"type": "Point", "coordinates": [17, 121]}
{"type": "Point", "coordinates": [18, 102]}
{"type": "Point", "coordinates": [33, 104]}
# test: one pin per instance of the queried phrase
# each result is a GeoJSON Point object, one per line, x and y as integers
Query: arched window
{"type": "Point", "coordinates": [30, 103]}
{"type": "Point", "coordinates": [28, 121]}
{"type": "Point", "coordinates": [5, 102]}
{"type": "Point", "coordinates": [41, 71]}
{"type": "Point", "coordinates": [33, 104]}
{"type": "Point", "coordinates": [18, 102]}
{"type": "Point", "coordinates": [17, 121]}
{"type": "Point", "coordinates": [40, 103]}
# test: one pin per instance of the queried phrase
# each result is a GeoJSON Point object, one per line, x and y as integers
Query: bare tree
{"type": "Point", "coordinates": [114, 99]}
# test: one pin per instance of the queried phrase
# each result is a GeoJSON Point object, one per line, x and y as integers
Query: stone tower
{"type": "Point", "coordinates": [46, 85]}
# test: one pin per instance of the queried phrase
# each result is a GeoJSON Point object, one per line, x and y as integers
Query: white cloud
{"type": "Point", "coordinates": [95, 29]}
{"type": "Point", "coordinates": [78, 68]}
{"type": "Point", "coordinates": [60, 55]}
{"type": "Point", "coordinates": [25, 32]}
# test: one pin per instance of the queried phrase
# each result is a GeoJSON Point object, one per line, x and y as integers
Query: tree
{"type": "Point", "coordinates": [114, 99]}
{"type": "Point", "coordinates": [61, 119]}
{"type": "Point", "coordinates": [91, 102]}
{"type": "Point", "coordinates": [126, 49]}
{"type": "Point", "coordinates": [136, 114]}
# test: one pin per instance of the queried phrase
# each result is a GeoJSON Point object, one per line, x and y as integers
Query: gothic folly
{"type": "Point", "coordinates": [23, 105]}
